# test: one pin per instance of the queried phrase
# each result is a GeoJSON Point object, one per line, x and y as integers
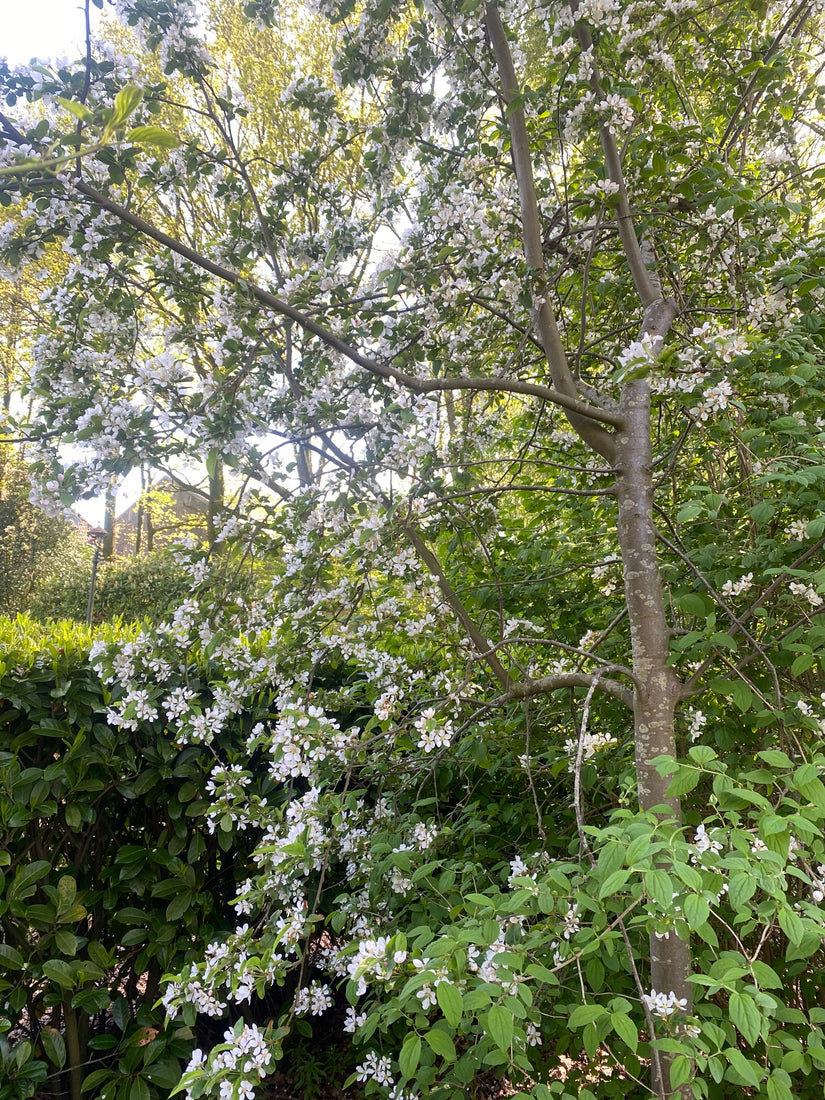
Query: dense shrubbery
{"type": "Point", "coordinates": [147, 587]}
{"type": "Point", "coordinates": [110, 875]}
{"type": "Point", "coordinates": [446, 907]}
{"type": "Point", "coordinates": [31, 543]}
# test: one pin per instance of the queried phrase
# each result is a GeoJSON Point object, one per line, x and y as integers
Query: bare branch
{"type": "Point", "coordinates": [546, 684]}
{"type": "Point", "coordinates": [528, 729]}
{"type": "Point", "coordinates": [485, 648]}
{"type": "Point", "coordinates": [577, 769]}
{"type": "Point", "coordinates": [659, 311]}
{"type": "Point", "coordinates": [543, 318]}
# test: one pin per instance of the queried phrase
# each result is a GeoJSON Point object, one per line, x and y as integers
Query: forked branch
{"type": "Point", "coordinates": [543, 318]}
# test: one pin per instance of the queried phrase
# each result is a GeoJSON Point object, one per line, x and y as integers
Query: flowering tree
{"type": "Point", "coordinates": [505, 319]}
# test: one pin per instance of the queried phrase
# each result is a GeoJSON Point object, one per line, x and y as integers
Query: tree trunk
{"type": "Point", "coordinates": [216, 498]}
{"type": "Point", "coordinates": [657, 687]}
{"type": "Point", "coordinates": [141, 509]}
{"type": "Point", "coordinates": [108, 547]}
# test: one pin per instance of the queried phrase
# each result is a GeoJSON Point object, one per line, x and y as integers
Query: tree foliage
{"type": "Point", "coordinates": [519, 358]}
{"type": "Point", "coordinates": [31, 543]}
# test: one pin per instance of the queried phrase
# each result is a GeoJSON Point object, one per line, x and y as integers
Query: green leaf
{"type": "Point", "coordinates": [450, 1003]}
{"type": "Point", "coordinates": [659, 888]}
{"type": "Point", "coordinates": [625, 1029]}
{"type": "Point", "coordinates": [22, 1053]}
{"type": "Point", "coordinates": [440, 1043]}
{"type": "Point", "coordinates": [742, 696]}
{"type": "Point", "coordinates": [779, 1086]}
{"type": "Point", "coordinates": [702, 754]}
{"type": "Point", "coordinates": [95, 1078]}
{"type": "Point", "coordinates": [585, 1014]}
{"type": "Point", "coordinates": [58, 971]}
{"type": "Point", "coordinates": [26, 877]}
{"type": "Point", "coordinates": [66, 892]}
{"type": "Point", "coordinates": [53, 1046]}
{"type": "Point", "coordinates": [66, 942]}
{"type": "Point", "coordinates": [126, 101]}
{"type": "Point", "coordinates": [689, 875]}
{"type": "Point", "coordinates": [762, 512]}
{"type": "Point", "coordinates": [770, 824]}
{"type": "Point", "coordinates": [801, 664]}
{"type": "Point", "coordinates": [746, 1016]}
{"type": "Point", "coordinates": [153, 135]}
{"type": "Point", "coordinates": [696, 911]}
{"type": "Point", "coordinates": [613, 883]}
{"type": "Point", "coordinates": [475, 999]}
{"type": "Point", "coordinates": [750, 1072]}
{"type": "Point", "coordinates": [138, 1090]}
{"type": "Point", "coordinates": [766, 975]}
{"type": "Point", "coordinates": [680, 1071]}
{"type": "Point", "coordinates": [394, 281]}
{"type": "Point", "coordinates": [691, 603]}
{"type": "Point", "coordinates": [683, 781]}
{"type": "Point", "coordinates": [741, 887]}
{"type": "Point", "coordinates": [790, 924]}
{"type": "Point", "coordinates": [178, 905]}
{"type": "Point", "coordinates": [811, 789]}
{"type": "Point", "coordinates": [10, 957]}
{"type": "Point", "coordinates": [637, 850]}
{"type": "Point", "coordinates": [410, 1056]}
{"type": "Point", "coordinates": [499, 1026]}
{"type": "Point", "coordinates": [165, 1074]}
{"type": "Point", "coordinates": [121, 1013]}
{"type": "Point", "coordinates": [79, 110]}
{"type": "Point", "coordinates": [688, 512]}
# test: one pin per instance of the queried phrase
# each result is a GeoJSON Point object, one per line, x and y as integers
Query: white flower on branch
{"type": "Point", "coordinates": [714, 399]}
{"type": "Point", "coordinates": [704, 842]}
{"type": "Point", "coordinates": [591, 744]}
{"type": "Point", "coordinates": [313, 999]}
{"type": "Point", "coordinates": [698, 721]}
{"type": "Point", "coordinates": [432, 734]}
{"type": "Point", "coordinates": [737, 588]}
{"type": "Point", "coordinates": [807, 592]}
{"type": "Point", "coordinates": [664, 1005]}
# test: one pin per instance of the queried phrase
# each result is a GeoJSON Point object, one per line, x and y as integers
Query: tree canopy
{"type": "Point", "coordinates": [506, 320]}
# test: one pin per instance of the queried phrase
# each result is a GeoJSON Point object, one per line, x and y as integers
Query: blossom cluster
{"type": "Point", "coordinates": [664, 1005]}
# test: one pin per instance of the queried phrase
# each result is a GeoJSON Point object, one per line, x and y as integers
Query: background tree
{"type": "Point", "coordinates": [31, 543]}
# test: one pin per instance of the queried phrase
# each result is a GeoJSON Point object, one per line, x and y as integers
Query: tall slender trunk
{"type": "Point", "coordinates": [658, 689]}
{"type": "Point", "coordinates": [110, 506]}
{"type": "Point", "coordinates": [216, 502]}
{"type": "Point", "coordinates": [141, 511]}
{"type": "Point", "coordinates": [629, 452]}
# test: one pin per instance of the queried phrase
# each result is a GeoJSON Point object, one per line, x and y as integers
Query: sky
{"type": "Point", "coordinates": [41, 28]}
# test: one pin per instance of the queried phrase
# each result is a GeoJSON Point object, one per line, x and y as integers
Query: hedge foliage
{"type": "Point", "coordinates": [109, 877]}
{"type": "Point", "coordinates": [147, 587]}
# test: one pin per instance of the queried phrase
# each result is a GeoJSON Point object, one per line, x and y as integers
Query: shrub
{"type": "Point", "coordinates": [131, 589]}
{"type": "Point", "coordinates": [31, 543]}
{"type": "Point", "coordinates": [110, 875]}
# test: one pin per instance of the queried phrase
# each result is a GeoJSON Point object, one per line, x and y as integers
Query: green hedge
{"type": "Point", "coordinates": [108, 876]}
{"type": "Point", "coordinates": [148, 587]}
